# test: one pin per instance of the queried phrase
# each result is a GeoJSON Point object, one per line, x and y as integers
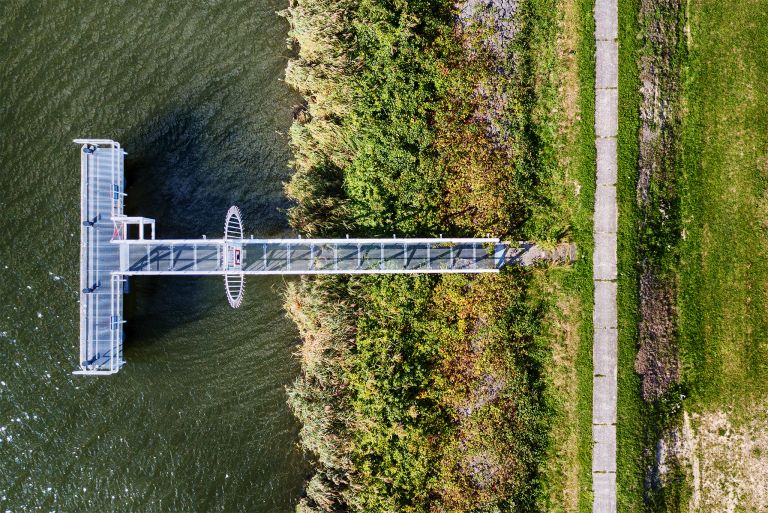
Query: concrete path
{"type": "Point", "coordinates": [605, 341]}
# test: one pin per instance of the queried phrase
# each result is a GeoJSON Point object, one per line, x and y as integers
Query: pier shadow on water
{"type": "Point", "coordinates": [185, 171]}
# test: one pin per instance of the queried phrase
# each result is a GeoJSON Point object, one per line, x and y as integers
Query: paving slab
{"type": "Point", "coordinates": [607, 161]}
{"type": "Point", "coordinates": [605, 352]}
{"type": "Point", "coordinates": [606, 19]}
{"type": "Point", "coordinates": [603, 489]}
{"type": "Point", "coordinates": [607, 64]}
{"type": "Point", "coordinates": [603, 448]}
{"type": "Point", "coordinates": [605, 310]}
{"type": "Point", "coordinates": [604, 399]}
{"type": "Point", "coordinates": [604, 257]}
{"type": "Point", "coordinates": [606, 211]}
{"type": "Point", "coordinates": [606, 112]}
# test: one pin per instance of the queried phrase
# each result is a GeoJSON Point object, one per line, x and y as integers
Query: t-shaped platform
{"type": "Point", "coordinates": [108, 256]}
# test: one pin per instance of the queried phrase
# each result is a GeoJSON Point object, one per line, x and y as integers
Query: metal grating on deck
{"type": "Point", "coordinates": [101, 310]}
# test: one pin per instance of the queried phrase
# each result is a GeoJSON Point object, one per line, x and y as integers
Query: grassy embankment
{"type": "Point", "coordinates": [724, 303]}
{"type": "Point", "coordinates": [724, 272]}
{"type": "Point", "coordinates": [695, 290]}
{"type": "Point", "coordinates": [453, 393]}
{"type": "Point", "coordinates": [571, 370]}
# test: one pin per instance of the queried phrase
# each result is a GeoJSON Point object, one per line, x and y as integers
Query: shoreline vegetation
{"type": "Point", "coordinates": [451, 393]}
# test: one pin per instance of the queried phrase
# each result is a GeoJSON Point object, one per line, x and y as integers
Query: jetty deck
{"type": "Point", "coordinates": [101, 295]}
{"type": "Point", "coordinates": [109, 256]}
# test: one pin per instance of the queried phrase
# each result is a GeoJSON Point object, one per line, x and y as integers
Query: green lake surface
{"type": "Point", "coordinates": [197, 420]}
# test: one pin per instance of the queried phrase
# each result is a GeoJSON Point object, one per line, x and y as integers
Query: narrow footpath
{"type": "Point", "coordinates": [605, 341]}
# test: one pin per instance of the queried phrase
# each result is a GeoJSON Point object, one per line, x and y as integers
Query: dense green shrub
{"type": "Point", "coordinates": [435, 401]}
{"type": "Point", "coordinates": [421, 393]}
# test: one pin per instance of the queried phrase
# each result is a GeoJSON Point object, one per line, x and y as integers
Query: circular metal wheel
{"type": "Point", "coordinates": [233, 225]}
{"type": "Point", "coordinates": [234, 284]}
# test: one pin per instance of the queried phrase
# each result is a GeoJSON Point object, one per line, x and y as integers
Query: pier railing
{"type": "Point", "coordinates": [109, 256]}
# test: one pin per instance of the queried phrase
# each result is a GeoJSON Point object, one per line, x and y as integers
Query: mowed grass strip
{"type": "Point", "coordinates": [630, 412]}
{"type": "Point", "coordinates": [568, 477]}
{"type": "Point", "coordinates": [724, 269]}
{"type": "Point", "coordinates": [581, 285]}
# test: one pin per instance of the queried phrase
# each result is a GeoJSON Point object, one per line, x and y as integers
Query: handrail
{"type": "Point", "coordinates": [300, 241]}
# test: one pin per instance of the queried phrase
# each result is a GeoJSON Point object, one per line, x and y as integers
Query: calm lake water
{"type": "Point", "coordinates": [197, 420]}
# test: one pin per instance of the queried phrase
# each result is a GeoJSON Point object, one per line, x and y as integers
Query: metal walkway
{"type": "Point", "coordinates": [108, 256]}
{"type": "Point", "coordinates": [101, 296]}
{"type": "Point", "coordinates": [316, 256]}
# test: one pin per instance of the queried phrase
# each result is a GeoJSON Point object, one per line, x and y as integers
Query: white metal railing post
{"type": "Point", "coordinates": [474, 255]}
{"type": "Point", "coordinates": [451, 263]}
{"type": "Point", "coordinates": [115, 185]}
{"type": "Point", "coordinates": [359, 259]}
{"type": "Point", "coordinates": [83, 255]}
{"type": "Point", "coordinates": [405, 255]}
{"type": "Point", "coordinates": [115, 188]}
{"type": "Point", "coordinates": [381, 258]}
{"type": "Point", "coordinates": [115, 320]}
{"type": "Point", "coordinates": [194, 257]}
{"type": "Point", "coordinates": [265, 256]}
{"type": "Point", "coordinates": [429, 256]}
{"type": "Point", "coordinates": [335, 257]}
{"type": "Point", "coordinates": [170, 268]}
{"type": "Point", "coordinates": [117, 337]}
{"type": "Point", "coordinates": [311, 257]}
{"type": "Point", "coordinates": [112, 343]}
{"type": "Point", "coordinates": [289, 257]}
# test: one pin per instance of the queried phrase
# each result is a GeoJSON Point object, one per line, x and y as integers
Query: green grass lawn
{"type": "Point", "coordinates": [724, 278]}
{"type": "Point", "coordinates": [572, 288]}
{"type": "Point", "coordinates": [581, 280]}
{"type": "Point", "coordinates": [629, 478]}
{"type": "Point", "coordinates": [724, 271]}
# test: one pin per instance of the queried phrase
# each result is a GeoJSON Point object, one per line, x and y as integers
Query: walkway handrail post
{"type": "Point", "coordinates": [336, 257]}
{"type": "Point", "coordinates": [288, 256]}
